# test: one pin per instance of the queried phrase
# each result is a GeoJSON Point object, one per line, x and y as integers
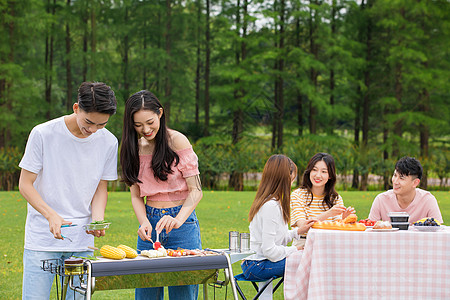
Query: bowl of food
{"type": "Point", "coordinates": [97, 225]}
{"type": "Point", "coordinates": [398, 217]}
{"type": "Point", "coordinates": [427, 224]}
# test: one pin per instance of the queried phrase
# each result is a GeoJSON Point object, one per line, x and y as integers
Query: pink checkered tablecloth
{"type": "Point", "coordinates": [404, 264]}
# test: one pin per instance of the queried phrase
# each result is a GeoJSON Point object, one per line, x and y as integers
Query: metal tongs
{"type": "Point", "coordinates": [66, 237]}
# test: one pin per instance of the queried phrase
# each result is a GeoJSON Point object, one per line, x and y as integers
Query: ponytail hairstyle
{"type": "Point", "coordinates": [330, 193]}
{"type": "Point", "coordinates": [96, 97]}
{"type": "Point", "coordinates": [275, 183]}
{"type": "Point", "coordinates": [163, 155]}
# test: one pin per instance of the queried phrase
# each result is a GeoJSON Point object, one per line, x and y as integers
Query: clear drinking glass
{"type": "Point", "coordinates": [233, 241]}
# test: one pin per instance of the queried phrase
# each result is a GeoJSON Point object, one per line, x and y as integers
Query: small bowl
{"type": "Point", "coordinates": [428, 228]}
{"type": "Point", "coordinates": [400, 225]}
{"type": "Point", "coordinates": [398, 217]}
{"type": "Point", "coordinates": [100, 226]}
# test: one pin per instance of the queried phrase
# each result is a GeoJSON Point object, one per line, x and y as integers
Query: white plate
{"type": "Point", "coordinates": [428, 228]}
{"type": "Point", "coordinates": [384, 230]}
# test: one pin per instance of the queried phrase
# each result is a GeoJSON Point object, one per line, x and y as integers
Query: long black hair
{"type": "Point", "coordinates": [330, 193]}
{"type": "Point", "coordinates": [163, 155]}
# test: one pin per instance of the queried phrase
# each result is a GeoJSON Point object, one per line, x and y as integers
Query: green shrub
{"type": "Point", "coordinates": [9, 168]}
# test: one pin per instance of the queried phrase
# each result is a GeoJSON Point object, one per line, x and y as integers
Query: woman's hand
{"type": "Point", "coordinates": [300, 247]}
{"type": "Point", "coordinates": [167, 222]}
{"type": "Point", "coordinates": [336, 210]}
{"type": "Point", "coordinates": [348, 211]}
{"type": "Point", "coordinates": [145, 231]}
{"type": "Point", "coordinates": [304, 226]}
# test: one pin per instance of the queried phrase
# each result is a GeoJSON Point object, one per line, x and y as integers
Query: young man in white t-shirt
{"type": "Point", "coordinates": [66, 166]}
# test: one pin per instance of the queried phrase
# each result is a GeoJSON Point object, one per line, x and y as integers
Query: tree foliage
{"type": "Point", "coordinates": [364, 80]}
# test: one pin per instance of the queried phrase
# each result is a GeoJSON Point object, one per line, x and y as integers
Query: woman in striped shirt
{"type": "Point", "coordinates": [317, 199]}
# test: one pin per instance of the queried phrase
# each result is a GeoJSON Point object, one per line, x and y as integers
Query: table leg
{"type": "Point", "coordinates": [229, 273]}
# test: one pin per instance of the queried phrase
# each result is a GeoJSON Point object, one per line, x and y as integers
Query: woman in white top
{"type": "Point", "coordinates": [269, 218]}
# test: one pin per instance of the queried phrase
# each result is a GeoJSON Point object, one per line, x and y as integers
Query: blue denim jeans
{"type": "Point", "coordinates": [186, 237]}
{"type": "Point", "coordinates": [263, 269]}
{"type": "Point", "coordinates": [37, 283]}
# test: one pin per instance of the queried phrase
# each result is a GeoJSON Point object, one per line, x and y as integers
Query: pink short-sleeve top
{"type": "Point", "coordinates": [175, 187]}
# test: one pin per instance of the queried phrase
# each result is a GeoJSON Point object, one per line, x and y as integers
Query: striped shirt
{"type": "Point", "coordinates": [301, 210]}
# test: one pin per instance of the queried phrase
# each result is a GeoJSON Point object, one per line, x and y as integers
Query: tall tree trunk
{"type": "Point", "coordinates": [158, 79]}
{"type": "Point", "coordinates": [69, 100]}
{"type": "Point", "coordinates": [144, 47]}
{"type": "Point", "coordinates": [424, 100]}
{"type": "Point", "coordinates": [93, 41]}
{"type": "Point", "coordinates": [398, 123]}
{"type": "Point", "coordinates": [275, 105]}
{"type": "Point", "coordinates": [6, 83]}
{"type": "Point", "coordinates": [399, 96]}
{"type": "Point", "coordinates": [298, 92]}
{"type": "Point", "coordinates": [85, 45]}
{"type": "Point", "coordinates": [49, 59]}
{"type": "Point", "coordinates": [167, 83]}
{"type": "Point", "coordinates": [313, 72]}
{"type": "Point", "coordinates": [366, 98]}
{"type": "Point", "coordinates": [125, 62]}
{"type": "Point", "coordinates": [236, 181]}
{"type": "Point", "coordinates": [207, 70]}
{"type": "Point", "coordinates": [367, 83]}
{"type": "Point", "coordinates": [355, 179]}
{"type": "Point", "coordinates": [280, 77]}
{"type": "Point", "coordinates": [386, 175]}
{"type": "Point", "coordinates": [198, 68]}
{"type": "Point", "coordinates": [424, 107]}
{"type": "Point", "coordinates": [332, 80]}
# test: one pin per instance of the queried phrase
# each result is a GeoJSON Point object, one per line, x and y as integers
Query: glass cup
{"type": "Point", "coordinates": [245, 242]}
{"type": "Point", "coordinates": [233, 241]}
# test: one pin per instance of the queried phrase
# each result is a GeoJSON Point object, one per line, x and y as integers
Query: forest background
{"type": "Point", "coordinates": [366, 81]}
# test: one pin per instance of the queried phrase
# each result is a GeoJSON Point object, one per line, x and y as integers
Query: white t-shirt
{"type": "Point", "coordinates": [68, 170]}
{"type": "Point", "coordinates": [270, 234]}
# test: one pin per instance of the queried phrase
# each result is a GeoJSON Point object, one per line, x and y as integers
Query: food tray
{"type": "Point", "coordinates": [428, 228]}
{"type": "Point", "coordinates": [397, 217]}
{"type": "Point", "coordinates": [100, 226]}
{"type": "Point", "coordinates": [400, 225]}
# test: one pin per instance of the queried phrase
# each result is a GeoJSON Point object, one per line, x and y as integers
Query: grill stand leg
{"type": "Point", "coordinates": [205, 291]}
{"type": "Point", "coordinates": [90, 281]}
{"type": "Point", "coordinates": [65, 285]}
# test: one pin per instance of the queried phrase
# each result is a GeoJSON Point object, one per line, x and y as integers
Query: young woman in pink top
{"type": "Point", "coordinates": [161, 169]}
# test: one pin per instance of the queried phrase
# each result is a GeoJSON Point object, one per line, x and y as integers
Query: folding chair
{"type": "Point", "coordinates": [240, 277]}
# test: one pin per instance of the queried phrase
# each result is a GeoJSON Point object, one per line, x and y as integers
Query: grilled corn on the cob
{"type": "Point", "coordinates": [112, 252]}
{"type": "Point", "coordinates": [129, 252]}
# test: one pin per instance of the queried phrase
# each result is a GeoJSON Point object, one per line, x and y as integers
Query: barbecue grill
{"type": "Point", "coordinates": [107, 274]}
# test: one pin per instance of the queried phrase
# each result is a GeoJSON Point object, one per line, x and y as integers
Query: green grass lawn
{"type": "Point", "coordinates": [218, 213]}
